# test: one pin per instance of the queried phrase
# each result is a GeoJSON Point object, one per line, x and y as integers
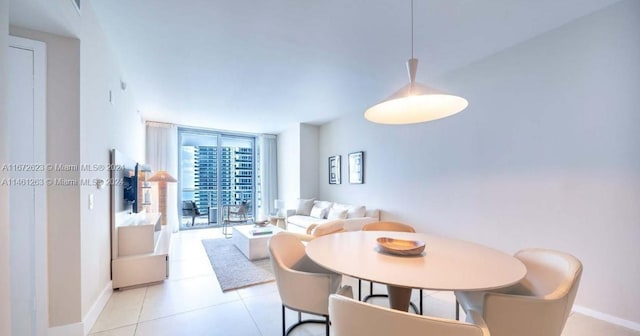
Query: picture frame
{"type": "Point", "coordinates": [356, 167]}
{"type": "Point", "coordinates": [334, 169]}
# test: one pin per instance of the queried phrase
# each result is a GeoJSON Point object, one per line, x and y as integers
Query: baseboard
{"type": "Point", "coordinates": [74, 329]}
{"type": "Point", "coordinates": [92, 315]}
{"type": "Point", "coordinates": [607, 318]}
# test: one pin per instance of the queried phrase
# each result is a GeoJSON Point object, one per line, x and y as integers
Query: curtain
{"type": "Point", "coordinates": [162, 154]}
{"type": "Point", "coordinates": [268, 174]}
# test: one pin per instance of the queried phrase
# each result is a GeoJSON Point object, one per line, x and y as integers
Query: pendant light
{"type": "Point", "coordinates": [415, 102]}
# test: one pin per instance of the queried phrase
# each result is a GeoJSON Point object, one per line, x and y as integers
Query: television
{"type": "Point", "coordinates": [130, 189]}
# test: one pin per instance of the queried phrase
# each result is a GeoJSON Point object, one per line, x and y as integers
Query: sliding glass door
{"type": "Point", "coordinates": [216, 169]}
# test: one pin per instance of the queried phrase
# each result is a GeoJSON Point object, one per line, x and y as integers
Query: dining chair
{"type": "Point", "coordinates": [318, 230]}
{"type": "Point", "coordinates": [352, 317]}
{"type": "Point", "coordinates": [386, 226]}
{"type": "Point", "coordinates": [539, 305]}
{"type": "Point", "coordinates": [304, 286]}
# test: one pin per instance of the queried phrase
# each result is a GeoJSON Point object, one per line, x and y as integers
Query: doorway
{"type": "Point", "coordinates": [216, 169]}
{"type": "Point", "coordinates": [27, 189]}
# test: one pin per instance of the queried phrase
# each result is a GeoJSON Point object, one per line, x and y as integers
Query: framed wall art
{"type": "Point", "coordinates": [356, 167]}
{"type": "Point", "coordinates": [334, 169]}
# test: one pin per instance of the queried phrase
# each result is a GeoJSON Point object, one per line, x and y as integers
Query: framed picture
{"type": "Point", "coordinates": [334, 169]}
{"type": "Point", "coordinates": [356, 167]}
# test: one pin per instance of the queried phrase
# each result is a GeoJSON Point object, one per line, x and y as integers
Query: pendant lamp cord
{"type": "Point", "coordinates": [411, 28]}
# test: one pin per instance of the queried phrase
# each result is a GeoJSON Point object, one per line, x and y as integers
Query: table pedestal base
{"type": "Point", "coordinates": [399, 297]}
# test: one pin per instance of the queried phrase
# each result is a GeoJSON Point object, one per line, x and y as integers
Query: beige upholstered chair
{"type": "Point", "coordinates": [386, 226]}
{"type": "Point", "coordinates": [350, 317]}
{"type": "Point", "coordinates": [304, 286]}
{"type": "Point", "coordinates": [319, 230]}
{"type": "Point", "coordinates": [539, 305]}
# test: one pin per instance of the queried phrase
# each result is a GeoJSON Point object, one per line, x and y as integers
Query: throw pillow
{"type": "Point", "coordinates": [328, 227]}
{"type": "Point", "coordinates": [337, 213]}
{"type": "Point", "coordinates": [318, 212]}
{"type": "Point", "coordinates": [356, 212]}
{"type": "Point", "coordinates": [304, 207]}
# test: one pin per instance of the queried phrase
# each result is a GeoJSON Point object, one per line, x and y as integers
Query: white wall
{"type": "Point", "coordinates": [546, 155]}
{"type": "Point", "coordinates": [298, 163]}
{"type": "Point", "coordinates": [309, 160]}
{"type": "Point", "coordinates": [82, 126]}
{"type": "Point", "coordinates": [5, 300]}
{"type": "Point", "coordinates": [288, 153]}
{"type": "Point", "coordinates": [102, 126]}
{"type": "Point", "coordinates": [63, 147]}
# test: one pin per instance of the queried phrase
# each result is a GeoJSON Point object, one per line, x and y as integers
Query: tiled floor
{"type": "Point", "coordinates": [191, 302]}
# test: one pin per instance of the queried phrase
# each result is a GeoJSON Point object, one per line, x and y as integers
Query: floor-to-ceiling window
{"type": "Point", "coordinates": [216, 169]}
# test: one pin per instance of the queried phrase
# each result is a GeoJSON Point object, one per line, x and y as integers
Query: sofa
{"type": "Point", "coordinates": [311, 211]}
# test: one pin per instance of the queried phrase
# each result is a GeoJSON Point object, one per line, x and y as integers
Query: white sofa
{"type": "Point", "coordinates": [310, 211]}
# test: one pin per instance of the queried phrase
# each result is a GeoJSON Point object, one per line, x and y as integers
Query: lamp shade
{"type": "Point", "coordinates": [162, 176]}
{"type": "Point", "coordinates": [415, 103]}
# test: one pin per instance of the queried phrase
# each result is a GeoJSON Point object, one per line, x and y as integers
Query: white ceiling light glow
{"type": "Point", "coordinates": [415, 102]}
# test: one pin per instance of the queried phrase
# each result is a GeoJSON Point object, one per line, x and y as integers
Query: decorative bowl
{"type": "Point", "coordinates": [261, 223]}
{"type": "Point", "coordinates": [400, 246]}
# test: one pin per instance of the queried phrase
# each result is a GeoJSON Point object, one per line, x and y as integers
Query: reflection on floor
{"type": "Point", "coordinates": [191, 303]}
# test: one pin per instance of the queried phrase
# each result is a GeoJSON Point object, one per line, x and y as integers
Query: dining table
{"type": "Point", "coordinates": [446, 264]}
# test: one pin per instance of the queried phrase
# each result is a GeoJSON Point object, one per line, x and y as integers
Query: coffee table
{"type": "Point", "coordinates": [253, 246]}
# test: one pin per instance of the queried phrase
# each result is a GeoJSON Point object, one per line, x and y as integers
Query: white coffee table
{"type": "Point", "coordinates": [252, 246]}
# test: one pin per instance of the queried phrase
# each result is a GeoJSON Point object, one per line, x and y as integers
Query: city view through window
{"type": "Point", "coordinates": [215, 170]}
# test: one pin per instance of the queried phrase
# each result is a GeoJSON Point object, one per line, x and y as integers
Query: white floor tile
{"type": "Point", "coordinates": [123, 309]}
{"type": "Point", "coordinates": [179, 296]}
{"type": "Point", "coordinates": [189, 268]}
{"type": "Point", "coordinates": [581, 325]}
{"type": "Point", "coordinates": [227, 319]}
{"type": "Point", "coordinates": [124, 331]}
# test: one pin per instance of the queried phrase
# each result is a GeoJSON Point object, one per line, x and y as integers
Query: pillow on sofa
{"type": "Point", "coordinates": [304, 207]}
{"type": "Point", "coordinates": [337, 213]}
{"type": "Point", "coordinates": [328, 227]}
{"type": "Point", "coordinates": [318, 212]}
{"type": "Point", "coordinates": [356, 212]}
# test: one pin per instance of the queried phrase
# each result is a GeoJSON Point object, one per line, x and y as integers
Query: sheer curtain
{"type": "Point", "coordinates": [269, 174]}
{"type": "Point", "coordinates": [162, 154]}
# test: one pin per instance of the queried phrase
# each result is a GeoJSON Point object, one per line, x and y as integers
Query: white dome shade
{"type": "Point", "coordinates": [415, 103]}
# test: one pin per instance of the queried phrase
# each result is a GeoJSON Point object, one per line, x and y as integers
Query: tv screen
{"type": "Point", "coordinates": [130, 189]}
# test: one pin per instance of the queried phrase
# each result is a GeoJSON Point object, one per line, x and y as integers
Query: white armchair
{"type": "Point", "coordinates": [351, 317]}
{"type": "Point", "coordinates": [539, 305]}
{"type": "Point", "coordinates": [304, 286]}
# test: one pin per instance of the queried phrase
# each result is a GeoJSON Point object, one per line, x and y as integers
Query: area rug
{"type": "Point", "coordinates": [232, 268]}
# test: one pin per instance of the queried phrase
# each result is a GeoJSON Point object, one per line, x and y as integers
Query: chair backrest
{"type": "Point", "coordinates": [189, 208]}
{"type": "Point", "coordinates": [289, 261]}
{"type": "Point", "coordinates": [351, 317]}
{"type": "Point", "coordinates": [541, 303]}
{"type": "Point", "coordinates": [551, 275]}
{"type": "Point", "coordinates": [388, 226]}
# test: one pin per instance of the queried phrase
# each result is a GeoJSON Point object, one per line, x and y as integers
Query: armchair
{"type": "Point", "coordinates": [539, 305]}
{"type": "Point", "coordinates": [352, 317]}
{"type": "Point", "coordinates": [189, 209]}
{"type": "Point", "coordinates": [304, 286]}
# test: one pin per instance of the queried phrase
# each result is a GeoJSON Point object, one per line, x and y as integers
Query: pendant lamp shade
{"type": "Point", "coordinates": [415, 102]}
{"type": "Point", "coordinates": [162, 176]}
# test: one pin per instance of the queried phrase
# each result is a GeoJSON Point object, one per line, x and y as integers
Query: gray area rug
{"type": "Point", "coordinates": [232, 268]}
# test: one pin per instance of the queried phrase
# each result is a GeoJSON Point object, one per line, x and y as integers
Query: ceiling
{"type": "Point", "coordinates": [259, 66]}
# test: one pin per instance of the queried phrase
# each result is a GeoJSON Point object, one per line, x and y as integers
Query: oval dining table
{"type": "Point", "coordinates": [446, 264]}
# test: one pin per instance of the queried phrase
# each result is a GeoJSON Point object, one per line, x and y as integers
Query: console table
{"type": "Point", "coordinates": [140, 251]}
